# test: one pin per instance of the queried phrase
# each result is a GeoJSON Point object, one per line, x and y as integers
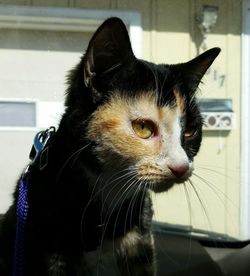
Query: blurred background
{"type": "Point", "coordinates": [41, 40]}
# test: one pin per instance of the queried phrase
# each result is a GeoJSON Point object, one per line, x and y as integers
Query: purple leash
{"type": "Point", "coordinates": [21, 213]}
{"type": "Point", "coordinates": [39, 150]}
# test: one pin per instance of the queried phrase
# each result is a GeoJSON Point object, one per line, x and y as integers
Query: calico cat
{"type": "Point", "coordinates": [129, 126]}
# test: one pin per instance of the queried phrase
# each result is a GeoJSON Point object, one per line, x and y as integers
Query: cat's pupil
{"type": "Point", "coordinates": [189, 133]}
{"type": "Point", "coordinates": [143, 128]}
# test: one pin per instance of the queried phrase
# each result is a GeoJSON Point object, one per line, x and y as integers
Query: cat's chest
{"type": "Point", "coordinates": [102, 260]}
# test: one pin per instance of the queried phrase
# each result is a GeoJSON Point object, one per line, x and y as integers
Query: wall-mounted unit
{"type": "Point", "coordinates": [217, 113]}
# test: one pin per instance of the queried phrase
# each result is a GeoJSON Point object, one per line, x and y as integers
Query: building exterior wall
{"type": "Point", "coordinates": [171, 35]}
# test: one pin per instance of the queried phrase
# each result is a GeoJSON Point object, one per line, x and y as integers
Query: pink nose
{"type": "Point", "coordinates": [179, 170]}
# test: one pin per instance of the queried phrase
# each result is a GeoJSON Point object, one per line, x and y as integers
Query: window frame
{"type": "Point", "coordinates": [69, 19]}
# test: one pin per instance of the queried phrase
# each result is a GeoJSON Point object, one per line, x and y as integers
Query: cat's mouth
{"type": "Point", "coordinates": [164, 184]}
{"type": "Point", "coordinates": [159, 181]}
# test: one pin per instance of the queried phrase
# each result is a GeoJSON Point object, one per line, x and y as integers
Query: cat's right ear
{"type": "Point", "coordinates": [108, 49]}
{"type": "Point", "coordinates": [194, 70]}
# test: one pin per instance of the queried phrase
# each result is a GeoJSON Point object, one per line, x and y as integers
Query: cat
{"type": "Point", "coordinates": [130, 126]}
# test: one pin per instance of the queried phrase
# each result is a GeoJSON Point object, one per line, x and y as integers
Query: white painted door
{"type": "Point", "coordinates": [245, 122]}
{"type": "Point", "coordinates": [34, 63]}
{"type": "Point", "coordinates": [33, 66]}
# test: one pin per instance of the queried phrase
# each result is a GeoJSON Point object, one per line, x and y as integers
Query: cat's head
{"type": "Point", "coordinates": [141, 117]}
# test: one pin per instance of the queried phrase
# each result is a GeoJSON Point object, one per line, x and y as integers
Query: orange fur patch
{"type": "Point", "coordinates": [160, 114]}
{"type": "Point", "coordinates": [110, 124]}
{"type": "Point", "coordinates": [111, 127]}
{"type": "Point", "coordinates": [180, 100]}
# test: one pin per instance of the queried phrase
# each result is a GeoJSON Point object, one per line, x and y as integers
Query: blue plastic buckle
{"type": "Point", "coordinates": [40, 146]}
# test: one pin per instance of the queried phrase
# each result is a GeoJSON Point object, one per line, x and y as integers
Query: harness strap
{"type": "Point", "coordinates": [39, 149]}
{"type": "Point", "coordinates": [21, 213]}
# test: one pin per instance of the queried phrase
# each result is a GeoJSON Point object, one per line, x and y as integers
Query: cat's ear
{"type": "Point", "coordinates": [195, 69]}
{"type": "Point", "coordinates": [108, 49]}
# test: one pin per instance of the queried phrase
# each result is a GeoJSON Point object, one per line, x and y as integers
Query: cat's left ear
{"type": "Point", "coordinates": [195, 69]}
{"type": "Point", "coordinates": [108, 49]}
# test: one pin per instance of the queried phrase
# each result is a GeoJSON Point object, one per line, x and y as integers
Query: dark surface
{"type": "Point", "coordinates": [237, 263]}
{"type": "Point", "coordinates": [183, 256]}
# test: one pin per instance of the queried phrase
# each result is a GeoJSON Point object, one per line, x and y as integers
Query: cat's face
{"type": "Point", "coordinates": [154, 141]}
{"type": "Point", "coordinates": [146, 119]}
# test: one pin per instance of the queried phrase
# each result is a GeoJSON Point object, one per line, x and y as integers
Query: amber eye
{"type": "Point", "coordinates": [143, 128]}
{"type": "Point", "coordinates": [188, 133]}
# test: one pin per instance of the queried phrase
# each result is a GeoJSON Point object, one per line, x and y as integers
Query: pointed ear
{"type": "Point", "coordinates": [195, 69]}
{"type": "Point", "coordinates": [108, 49]}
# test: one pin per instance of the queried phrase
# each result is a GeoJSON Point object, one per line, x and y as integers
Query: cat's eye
{"type": "Point", "coordinates": [189, 133]}
{"type": "Point", "coordinates": [143, 128]}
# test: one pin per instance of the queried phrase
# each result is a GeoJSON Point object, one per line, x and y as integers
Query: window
{"type": "Point", "coordinates": [17, 114]}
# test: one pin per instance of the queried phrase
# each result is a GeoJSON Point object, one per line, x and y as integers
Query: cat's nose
{"type": "Point", "coordinates": [179, 169]}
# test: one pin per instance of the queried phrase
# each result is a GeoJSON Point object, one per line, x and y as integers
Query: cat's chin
{"type": "Point", "coordinates": [163, 186]}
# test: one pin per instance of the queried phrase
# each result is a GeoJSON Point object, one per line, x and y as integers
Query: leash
{"type": "Point", "coordinates": [39, 151]}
